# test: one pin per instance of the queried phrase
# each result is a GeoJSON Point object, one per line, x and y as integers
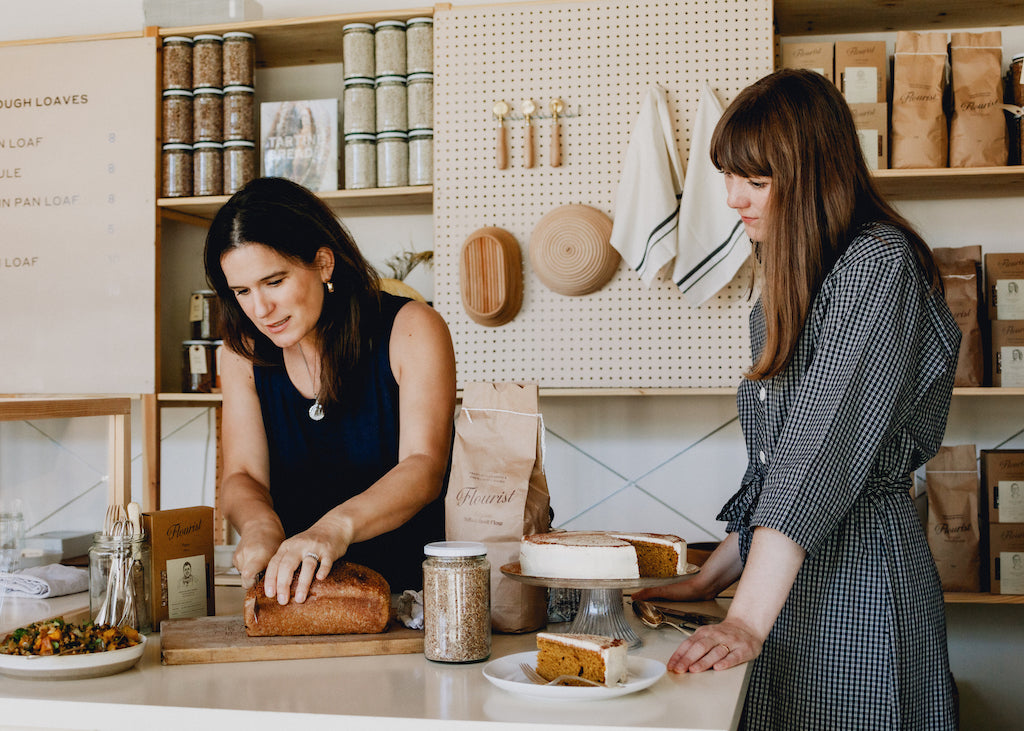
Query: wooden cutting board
{"type": "Point", "coordinates": [223, 639]}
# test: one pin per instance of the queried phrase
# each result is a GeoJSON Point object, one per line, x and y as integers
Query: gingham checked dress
{"type": "Point", "coordinates": [831, 442]}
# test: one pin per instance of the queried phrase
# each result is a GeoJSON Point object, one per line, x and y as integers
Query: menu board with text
{"type": "Point", "coordinates": [77, 221]}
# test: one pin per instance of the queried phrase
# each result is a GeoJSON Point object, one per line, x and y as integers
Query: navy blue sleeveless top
{"type": "Point", "coordinates": [317, 465]}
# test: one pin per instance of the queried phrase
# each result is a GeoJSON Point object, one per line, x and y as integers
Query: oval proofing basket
{"type": "Point", "coordinates": [491, 276]}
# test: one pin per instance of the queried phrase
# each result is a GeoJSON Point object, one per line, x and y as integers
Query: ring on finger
{"type": "Point", "coordinates": [727, 650]}
{"type": "Point", "coordinates": [310, 554]}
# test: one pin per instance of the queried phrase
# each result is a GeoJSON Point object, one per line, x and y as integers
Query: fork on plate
{"type": "Point", "coordinates": [534, 677]}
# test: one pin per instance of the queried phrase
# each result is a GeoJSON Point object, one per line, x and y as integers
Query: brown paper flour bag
{"type": "Point", "coordinates": [977, 131]}
{"type": "Point", "coordinates": [954, 534]}
{"type": "Point", "coordinates": [960, 269]}
{"type": "Point", "coordinates": [497, 492]}
{"type": "Point", "coordinates": [919, 134]}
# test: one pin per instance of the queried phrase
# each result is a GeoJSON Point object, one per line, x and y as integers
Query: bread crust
{"type": "Point", "coordinates": [353, 599]}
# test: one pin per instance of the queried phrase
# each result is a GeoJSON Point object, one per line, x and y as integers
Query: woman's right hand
{"type": "Point", "coordinates": [256, 547]}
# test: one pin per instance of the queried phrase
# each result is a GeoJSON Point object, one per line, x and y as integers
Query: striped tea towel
{"type": "Point", "coordinates": [647, 202]}
{"type": "Point", "coordinates": [712, 245]}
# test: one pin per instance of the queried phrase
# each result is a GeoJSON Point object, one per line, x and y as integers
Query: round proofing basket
{"type": "Point", "coordinates": [570, 250]}
{"type": "Point", "coordinates": [491, 276]}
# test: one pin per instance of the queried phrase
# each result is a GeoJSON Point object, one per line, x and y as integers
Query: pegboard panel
{"type": "Point", "coordinates": [600, 58]}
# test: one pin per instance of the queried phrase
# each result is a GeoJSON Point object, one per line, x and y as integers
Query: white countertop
{"type": "Point", "coordinates": [385, 692]}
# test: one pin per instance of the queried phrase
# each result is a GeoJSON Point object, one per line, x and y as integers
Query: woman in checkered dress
{"type": "Point", "coordinates": [839, 604]}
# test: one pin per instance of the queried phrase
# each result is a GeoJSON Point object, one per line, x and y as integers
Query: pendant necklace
{"type": "Point", "coordinates": [316, 411]}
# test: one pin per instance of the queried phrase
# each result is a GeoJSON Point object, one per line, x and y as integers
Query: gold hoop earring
{"type": "Point", "coordinates": [330, 287]}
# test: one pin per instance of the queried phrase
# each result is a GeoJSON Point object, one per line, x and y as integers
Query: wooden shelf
{"type": "Point", "coordinates": [814, 17]}
{"type": "Point", "coordinates": [987, 182]}
{"type": "Point", "coordinates": [33, 407]}
{"type": "Point", "coordinates": [299, 41]}
{"type": "Point", "coordinates": [964, 597]}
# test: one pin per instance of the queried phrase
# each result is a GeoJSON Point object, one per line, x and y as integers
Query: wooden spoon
{"type": "Point", "coordinates": [501, 110]}
{"type": "Point", "coordinates": [557, 107]}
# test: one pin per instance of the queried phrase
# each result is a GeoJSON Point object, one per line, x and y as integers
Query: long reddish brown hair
{"type": "Point", "coordinates": [794, 127]}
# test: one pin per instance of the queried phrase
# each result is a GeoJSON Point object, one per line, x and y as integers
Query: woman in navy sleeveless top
{"type": "Point", "coordinates": [338, 398]}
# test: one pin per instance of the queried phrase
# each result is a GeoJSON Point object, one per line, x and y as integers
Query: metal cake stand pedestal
{"type": "Point", "coordinates": [601, 609]}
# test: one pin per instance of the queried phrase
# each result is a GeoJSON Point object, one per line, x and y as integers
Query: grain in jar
{"type": "Point", "coordinates": [456, 602]}
{"type": "Point", "coordinates": [239, 58]}
{"type": "Point", "coordinates": [198, 366]}
{"type": "Point", "coordinates": [421, 157]}
{"type": "Point", "coordinates": [392, 159]}
{"type": "Point", "coordinates": [208, 115]}
{"type": "Point", "coordinates": [420, 91]}
{"type": "Point", "coordinates": [177, 62]}
{"type": "Point", "coordinates": [419, 45]}
{"type": "Point", "coordinates": [389, 48]}
{"type": "Point", "coordinates": [177, 115]}
{"type": "Point", "coordinates": [359, 107]}
{"type": "Point", "coordinates": [208, 160]}
{"type": "Point", "coordinates": [207, 60]}
{"type": "Point", "coordinates": [392, 104]}
{"type": "Point", "coordinates": [360, 161]}
{"type": "Point", "coordinates": [357, 51]}
{"type": "Point", "coordinates": [239, 113]}
{"type": "Point", "coordinates": [239, 164]}
{"type": "Point", "coordinates": [177, 170]}
{"type": "Point", "coordinates": [204, 314]}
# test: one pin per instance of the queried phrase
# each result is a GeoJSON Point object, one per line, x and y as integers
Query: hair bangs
{"type": "Point", "coordinates": [737, 146]}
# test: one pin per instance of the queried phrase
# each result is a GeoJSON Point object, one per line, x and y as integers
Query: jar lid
{"type": "Point", "coordinates": [218, 342]}
{"type": "Point", "coordinates": [358, 81]}
{"type": "Point", "coordinates": [203, 291]}
{"type": "Point", "coordinates": [455, 549]}
{"type": "Point", "coordinates": [197, 342]}
{"type": "Point", "coordinates": [177, 92]}
{"type": "Point", "coordinates": [421, 76]}
{"type": "Point", "coordinates": [1017, 58]}
{"type": "Point", "coordinates": [178, 39]}
{"type": "Point", "coordinates": [390, 24]}
{"type": "Point", "coordinates": [356, 26]}
{"type": "Point", "coordinates": [422, 132]}
{"type": "Point", "coordinates": [209, 90]}
{"type": "Point", "coordinates": [390, 79]}
{"type": "Point", "coordinates": [360, 137]}
{"type": "Point", "coordinates": [237, 34]}
{"type": "Point", "coordinates": [392, 136]}
{"type": "Point", "coordinates": [419, 20]}
{"type": "Point", "coordinates": [239, 143]}
{"type": "Point", "coordinates": [177, 146]}
{"type": "Point", "coordinates": [208, 37]}
{"type": "Point", "coordinates": [207, 145]}
{"type": "Point", "coordinates": [239, 89]}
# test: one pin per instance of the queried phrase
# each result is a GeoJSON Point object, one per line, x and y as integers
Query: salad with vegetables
{"type": "Point", "coordinates": [56, 637]}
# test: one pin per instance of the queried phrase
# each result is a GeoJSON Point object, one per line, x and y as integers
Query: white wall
{"type": "Point", "coordinates": [653, 463]}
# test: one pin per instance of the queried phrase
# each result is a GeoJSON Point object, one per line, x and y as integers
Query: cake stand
{"type": "Point", "coordinates": [600, 611]}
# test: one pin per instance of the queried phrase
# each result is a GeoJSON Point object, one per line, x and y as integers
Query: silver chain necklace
{"type": "Point", "coordinates": [316, 411]}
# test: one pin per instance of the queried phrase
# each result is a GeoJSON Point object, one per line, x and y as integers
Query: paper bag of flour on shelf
{"type": "Point", "coordinates": [497, 492]}
{"type": "Point", "coordinates": [954, 532]}
{"type": "Point", "coordinates": [960, 269]}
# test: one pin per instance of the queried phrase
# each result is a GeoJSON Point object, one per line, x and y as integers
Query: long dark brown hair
{"type": "Point", "coordinates": [794, 127]}
{"type": "Point", "coordinates": [296, 224]}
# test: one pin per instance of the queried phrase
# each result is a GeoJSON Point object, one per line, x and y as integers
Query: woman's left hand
{"type": "Point", "coordinates": [311, 553]}
{"type": "Point", "coordinates": [716, 646]}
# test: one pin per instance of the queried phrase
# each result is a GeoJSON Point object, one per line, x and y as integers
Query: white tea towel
{"type": "Point", "coordinates": [410, 609]}
{"type": "Point", "coordinates": [712, 243]}
{"type": "Point", "coordinates": [43, 582]}
{"type": "Point", "coordinates": [647, 202]}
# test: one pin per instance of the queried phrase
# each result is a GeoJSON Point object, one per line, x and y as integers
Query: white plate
{"type": "Point", "coordinates": [71, 667]}
{"type": "Point", "coordinates": [506, 674]}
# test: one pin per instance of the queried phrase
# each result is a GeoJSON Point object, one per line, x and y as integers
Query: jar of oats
{"type": "Point", "coordinates": [389, 48]}
{"type": "Point", "coordinates": [239, 58]}
{"type": "Point", "coordinates": [419, 45]}
{"type": "Point", "coordinates": [239, 164]}
{"type": "Point", "coordinates": [360, 161]}
{"type": "Point", "coordinates": [392, 104]}
{"type": "Point", "coordinates": [420, 90]}
{"type": "Point", "coordinates": [177, 170]}
{"type": "Point", "coordinates": [177, 115]}
{"type": "Point", "coordinates": [207, 60]}
{"type": "Point", "coordinates": [357, 51]}
{"type": "Point", "coordinates": [208, 160]}
{"type": "Point", "coordinates": [239, 113]}
{"type": "Point", "coordinates": [456, 602]}
{"type": "Point", "coordinates": [177, 58]}
{"type": "Point", "coordinates": [208, 115]}
{"type": "Point", "coordinates": [421, 157]}
{"type": "Point", "coordinates": [359, 107]}
{"type": "Point", "coordinates": [392, 159]}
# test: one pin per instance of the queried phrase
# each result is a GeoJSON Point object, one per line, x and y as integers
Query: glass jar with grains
{"type": "Point", "coordinates": [239, 164]}
{"type": "Point", "coordinates": [207, 60]}
{"type": "Point", "coordinates": [359, 107]}
{"type": "Point", "coordinates": [360, 161]}
{"type": "Point", "coordinates": [456, 602]}
{"type": "Point", "coordinates": [208, 115]}
{"type": "Point", "coordinates": [357, 51]}
{"type": "Point", "coordinates": [421, 157]}
{"type": "Point", "coordinates": [177, 171]}
{"type": "Point", "coordinates": [420, 89]}
{"type": "Point", "coordinates": [392, 159]}
{"type": "Point", "coordinates": [239, 113]}
{"type": "Point", "coordinates": [419, 45]}
{"type": "Point", "coordinates": [389, 48]}
{"type": "Point", "coordinates": [177, 58]}
{"type": "Point", "coordinates": [392, 104]}
{"type": "Point", "coordinates": [239, 58]}
{"type": "Point", "coordinates": [177, 116]}
{"type": "Point", "coordinates": [208, 158]}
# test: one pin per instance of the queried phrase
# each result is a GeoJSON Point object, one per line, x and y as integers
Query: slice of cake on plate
{"type": "Point", "coordinates": [592, 657]}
